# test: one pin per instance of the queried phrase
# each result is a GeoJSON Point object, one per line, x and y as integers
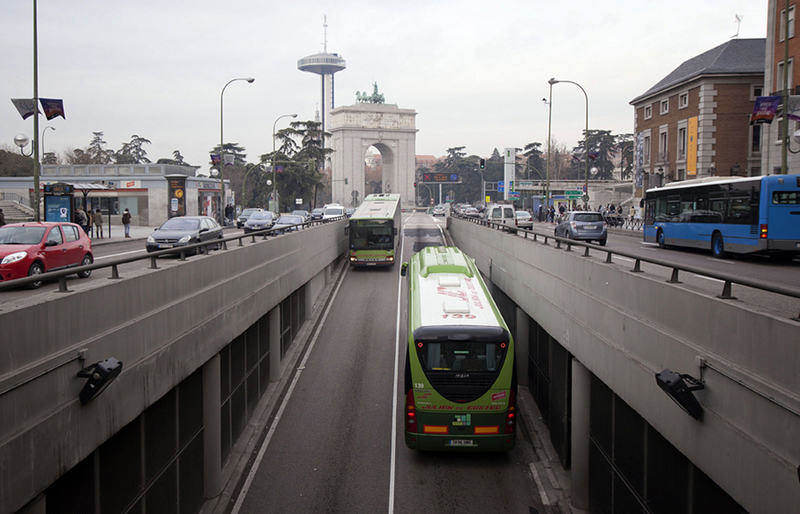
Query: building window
{"type": "Point", "coordinates": [681, 143]}
{"type": "Point", "coordinates": [755, 142]}
{"type": "Point", "coordinates": [664, 106]}
{"type": "Point", "coordinates": [683, 100]}
{"type": "Point", "coordinates": [783, 24]}
{"type": "Point", "coordinates": [662, 146]}
{"type": "Point", "coordinates": [646, 149]}
{"type": "Point", "coordinates": [648, 112]}
{"type": "Point", "coordinates": [779, 75]}
{"type": "Point", "coordinates": [756, 92]}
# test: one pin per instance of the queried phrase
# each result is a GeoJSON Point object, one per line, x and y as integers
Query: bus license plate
{"type": "Point", "coordinates": [461, 442]}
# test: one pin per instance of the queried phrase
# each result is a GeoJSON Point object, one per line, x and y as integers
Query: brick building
{"type": "Point", "coordinates": [695, 121]}
{"type": "Point", "coordinates": [773, 83]}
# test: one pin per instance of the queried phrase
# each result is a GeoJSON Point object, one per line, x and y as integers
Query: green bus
{"type": "Point", "coordinates": [460, 381]}
{"type": "Point", "coordinates": [374, 230]}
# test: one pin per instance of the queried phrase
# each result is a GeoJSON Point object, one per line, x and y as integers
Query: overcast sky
{"type": "Point", "coordinates": [475, 71]}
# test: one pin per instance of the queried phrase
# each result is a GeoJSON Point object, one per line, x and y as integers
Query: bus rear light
{"type": "Point", "coordinates": [435, 429]}
{"type": "Point", "coordinates": [487, 430]}
{"type": "Point", "coordinates": [411, 415]}
{"type": "Point", "coordinates": [502, 345]}
{"type": "Point", "coordinates": [511, 415]}
{"type": "Point", "coordinates": [419, 345]}
{"type": "Point", "coordinates": [763, 234]}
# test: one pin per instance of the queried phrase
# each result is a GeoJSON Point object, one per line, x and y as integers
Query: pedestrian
{"type": "Point", "coordinates": [80, 218]}
{"type": "Point", "coordinates": [126, 222]}
{"type": "Point", "coordinates": [2, 218]}
{"type": "Point", "coordinates": [228, 213]}
{"type": "Point", "coordinates": [98, 223]}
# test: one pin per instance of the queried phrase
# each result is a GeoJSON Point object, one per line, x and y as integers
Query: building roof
{"type": "Point", "coordinates": [736, 56]}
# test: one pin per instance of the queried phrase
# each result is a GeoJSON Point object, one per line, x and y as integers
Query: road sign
{"type": "Point", "coordinates": [441, 178]}
{"type": "Point", "coordinates": [500, 183]}
{"type": "Point", "coordinates": [298, 201]}
{"type": "Point", "coordinates": [513, 194]}
{"type": "Point", "coordinates": [523, 185]}
{"type": "Point", "coordinates": [573, 193]}
{"type": "Point", "coordinates": [501, 189]}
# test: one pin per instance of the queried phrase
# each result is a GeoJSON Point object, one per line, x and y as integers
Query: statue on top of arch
{"type": "Point", "coordinates": [374, 98]}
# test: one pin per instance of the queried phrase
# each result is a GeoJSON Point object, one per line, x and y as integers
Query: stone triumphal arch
{"type": "Point", "coordinates": [391, 130]}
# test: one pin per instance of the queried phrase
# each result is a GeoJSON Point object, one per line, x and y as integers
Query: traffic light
{"type": "Point", "coordinates": [483, 164]}
{"type": "Point", "coordinates": [415, 184]}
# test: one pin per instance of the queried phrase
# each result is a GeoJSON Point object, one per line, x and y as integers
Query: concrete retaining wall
{"type": "Point", "coordinates": [162, 325]}
{"type": "Point", "coordinates": [624, 327]}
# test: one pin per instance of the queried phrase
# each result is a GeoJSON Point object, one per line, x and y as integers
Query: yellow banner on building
{"type": "Point", "coordinates": [691, 147]}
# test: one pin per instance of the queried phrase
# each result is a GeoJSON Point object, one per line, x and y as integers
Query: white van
{"type": "Point", "coordinates": [332, 210]}
{"type": "Point", "coordinates": [504, 214]}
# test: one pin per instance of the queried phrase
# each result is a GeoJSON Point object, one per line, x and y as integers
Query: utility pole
{"type": "Point", "coordinates": [785, 120]}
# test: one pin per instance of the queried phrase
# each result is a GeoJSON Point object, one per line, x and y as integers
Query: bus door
{"type": "Point", "coordinates": [783, 209]}
{"type": "Point", "coordinates": [650, 229]}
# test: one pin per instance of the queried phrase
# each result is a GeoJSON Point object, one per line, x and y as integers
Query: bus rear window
{"type": "Point", "coordinates": [786, 197]}
{"type": "Point", "coordinates": [461, 356]}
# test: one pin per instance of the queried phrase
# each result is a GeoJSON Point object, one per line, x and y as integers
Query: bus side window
{"type": "Point", "coordinates": [649, 212]}
{"type": "Point", "coordinates": [717, 208]}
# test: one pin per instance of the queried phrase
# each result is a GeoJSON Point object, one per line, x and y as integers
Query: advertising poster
{"type": "Point", "coordinates": [176, 196]}
{"type": "Point", "coordinates": [691, 147]}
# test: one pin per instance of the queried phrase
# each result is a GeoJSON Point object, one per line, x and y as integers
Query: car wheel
{"type": "Point", "coordinates": [555, 232]}
{"type": "Point", "coordinates": [87, 259]}
{"type": "Point", "coordinates": [35, 269]}
{"type": "Point", "coordinates": [717, 246]}
{"type": "Point", "coordinates": [662, 241]}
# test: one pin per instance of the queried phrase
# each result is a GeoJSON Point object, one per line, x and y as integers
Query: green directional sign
{"type": "Point", "coordinates": [573, 193]}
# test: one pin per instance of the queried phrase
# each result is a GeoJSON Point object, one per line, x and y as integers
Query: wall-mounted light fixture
{"type": "Point", "coordinates": [680, 387]}
{"type": "Point", "coordinates": [100, 375]}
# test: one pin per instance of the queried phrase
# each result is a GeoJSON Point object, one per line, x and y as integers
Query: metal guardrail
{"type": "Point", "coordinates": [181, 251]}
{"type": "Point", "coordinates": [727, 279]}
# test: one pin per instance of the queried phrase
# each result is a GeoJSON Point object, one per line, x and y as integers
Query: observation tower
{"type": "Point", "coordinates": [325, 65]}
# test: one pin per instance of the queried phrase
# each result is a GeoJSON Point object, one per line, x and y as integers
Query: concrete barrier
{"type": "Point", "coordinates": [163, 325]}
{"type": "Point", "coordinates": [626, 326]}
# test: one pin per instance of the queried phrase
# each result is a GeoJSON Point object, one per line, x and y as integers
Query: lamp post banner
{"type": "Point", "coordinates": [25, 106]}
{"type": "Point", "coordinates": [764, 109]}
{"type": "Point", "coordinates": [53, 107]}
{"type": "Point", "coordinates": [639, 159]}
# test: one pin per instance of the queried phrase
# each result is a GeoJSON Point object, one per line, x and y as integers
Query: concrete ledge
{"type": "Point", "coordinates": [626, 326]}
{"type": "Point", "coordinates": [163, 325]}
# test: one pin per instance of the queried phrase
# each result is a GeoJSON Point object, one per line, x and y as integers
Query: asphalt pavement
{"type": "Point", "coordinates": [333, 450]}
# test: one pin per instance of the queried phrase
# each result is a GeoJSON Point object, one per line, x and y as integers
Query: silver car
{"type": "Point", "coordinates": [583, 226]}
{"type": "Point", "coordinates": [524, 219]}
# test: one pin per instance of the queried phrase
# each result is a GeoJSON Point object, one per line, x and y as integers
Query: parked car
{"type": "Point", "coordinates": [183, 231]}
{"type": "Point", "coordinates": [28, 249]}
{"type": "Point", "coordinates": [472, 212]}
{"type": "Point", "coordinates": [303, 214]}
{"type": "Point", "coordinates": [287, 223]}
{"type": "Point", "coordinates": [524, 219]}
{"type": "Point", "coordinates": [439, 210]}
{"type": "Point", "coordinates": [332, 210]}
{"type": "Point", "coordinates": [317, 213]}
{"type": "Point", "coordinates": [583, 226]}
{"type": "Point", "coordinates": [240, 221]}
{"type": "Point", "coordinates": [502, 214]}
{"type": "Point", "coordinates": [349, 211]}
{"type": "Point", "coordinates": [259, 221]}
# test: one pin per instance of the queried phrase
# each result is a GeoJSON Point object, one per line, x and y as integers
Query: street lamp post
{"type": "Point", "coordinates": [274, 171]}
{"type": "Point", "coordinates": [549, 154]}
{"type": "Point", "coordinates": [35, 146]}
{"type": "Point", "coordinates": [43, 131]}
{"type": "Point", "coordinates": [249, 80]}
{"type": "Point", "coordinates": [586, 131]}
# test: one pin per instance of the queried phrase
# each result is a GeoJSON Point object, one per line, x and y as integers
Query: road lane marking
{"type": "Point", "coordinates": [117, 254]}
{"type": "Point", "coordinates": [715, 259]}
{"type": "Point", "coordinates": [394, 382]}
{"type": "Point", "coordinates": [539, 484]}
{"type": "Point", "coordinates": [709, 278]}
{"type": "Point", "coordinates": [251, 475]}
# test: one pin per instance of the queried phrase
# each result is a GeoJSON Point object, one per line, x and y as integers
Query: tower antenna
{"type": "Point", "coordinates": [325, 33]}
{"type": "Point", "coordinates": [738, 25]}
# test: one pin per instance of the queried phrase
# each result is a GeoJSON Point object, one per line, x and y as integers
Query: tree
{"type": "Point", "coordinates": [14, 164]}
{"type": "Point", "coordinates": [624, 145]}
{"type": "Point", "coordinates": [77, 156]}
{"type": "Point", "coordinates": [238, 152]}
{"type": "Point", "coordinates": [133, 151]}
{"type": "Point", "coordinates": [49, 158]}
{"type": "Point", "coordinates": [96, 153]}
{"type": "Point", "coordinates": [534, 161]}
{"type": "Point", "coordinates": [602, 145]}
{"type": "Point", "coordinates": [177, 159]}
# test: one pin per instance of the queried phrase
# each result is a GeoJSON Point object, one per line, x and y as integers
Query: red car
{"type": "Point", "coordinates": [28, 249]}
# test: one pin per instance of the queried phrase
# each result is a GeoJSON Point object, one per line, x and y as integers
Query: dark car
{"type": "Point", "coordinates": [349, 211]}
{"type": "Point", "coordinates": [287, 223]}
{"type": "Point", "coordinates": [317, 213]}
{"type": "Point", "coordinates": [583, 226]}
{"type": "Point", "coordinates": [259, 221]}
{"type": "Point", "coordinates": [182, 231]}
{"type": "Point", "coordinates": [242, 218]}
{"type": "Point", "coordinates": [28, 249]}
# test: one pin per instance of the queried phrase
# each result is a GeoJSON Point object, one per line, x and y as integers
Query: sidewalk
{"type": "Point", "coordinates": [137, 233]}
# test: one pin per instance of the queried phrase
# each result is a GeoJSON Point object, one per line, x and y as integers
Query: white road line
{"type": "Point", "coordinates": [620, 258]}
{"type": "Point", "coordinates": [648, 244]}
{"type": "Point", "coordinates": [709, 278]}
{"type": "Point", "coordinates": [248, 482]}
{"type": "Point", "coordinates": [539, 484]}
{"type": "Point", "coordinates": [720, 260]}
{"type": "Point", "coordinates": [394, 384]}
{"type": "Point", "coordinates": [117, 254]}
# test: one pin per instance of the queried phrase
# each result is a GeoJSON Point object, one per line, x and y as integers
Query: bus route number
{"type": "Point", "coordinates": [458, 316]}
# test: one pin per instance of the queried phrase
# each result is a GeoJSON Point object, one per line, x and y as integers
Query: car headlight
{"type": "Point", "coordinates": [151, 239]}
{"type": "Point", "coordinates": [185, 239]}
{"type": "Point", "coordinates": [14, 257]}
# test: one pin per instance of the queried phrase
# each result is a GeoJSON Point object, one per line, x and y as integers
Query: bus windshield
{"type": "Point", "coordinates": [371, 235]}
{"type": "Point", "coordinates": [460, 356]}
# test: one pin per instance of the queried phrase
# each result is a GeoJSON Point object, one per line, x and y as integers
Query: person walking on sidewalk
{"type": "Point", "coordinates": [80, 218]}
{"type": "Point", "coordinates": [98, 223]}
{"type": "Point", "coordinates": [126, 222]}
{"type": "Point", "coordinates": [2, 218]}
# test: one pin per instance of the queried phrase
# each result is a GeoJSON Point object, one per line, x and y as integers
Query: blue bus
{"type": "Point", "coordinates": [727, 215]}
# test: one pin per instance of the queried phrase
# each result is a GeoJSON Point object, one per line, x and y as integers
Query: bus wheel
{"type": "Point", "coordinates": [717, 246]}
{"type": "Point", "coordinates": [662, 242]}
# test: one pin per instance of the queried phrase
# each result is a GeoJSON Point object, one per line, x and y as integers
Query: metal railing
{"type": "Point", "coordinates": [17, 199]}
{"type": "Point", "coordinates": [727, 278]}
{"type": "Point", "coordinates": [203, 247]}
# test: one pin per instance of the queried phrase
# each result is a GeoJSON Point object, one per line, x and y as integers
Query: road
{"type": "Point", "coordinates": [332, 449]}
{"type": "Point", "coordinates": [754, 267]}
